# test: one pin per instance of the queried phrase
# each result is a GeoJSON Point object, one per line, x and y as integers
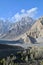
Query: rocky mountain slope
{"type": "Point", "coordinates": [36, 32]}
{"type": "Point", "coordinates": [37, 29]}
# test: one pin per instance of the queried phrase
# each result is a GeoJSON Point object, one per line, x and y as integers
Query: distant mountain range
{"type": "Point", "coordinates": [11, 31]}
{"type": "Point", "coordinates": [26, 29]}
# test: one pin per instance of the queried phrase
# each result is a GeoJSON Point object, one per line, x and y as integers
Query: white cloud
{"type": "Point", "coordinates": [32, 10]}
{"type": "Point", "coordinates": [31, 13]}
{"type": "Point", "coordinates": [23, 11]}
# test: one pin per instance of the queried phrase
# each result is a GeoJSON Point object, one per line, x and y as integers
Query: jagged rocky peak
{"type": "Point", "coordinates": [23, 21]}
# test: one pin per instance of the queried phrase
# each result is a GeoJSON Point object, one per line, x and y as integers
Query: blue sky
{"type": "Point", "coordinates": [9, 8]}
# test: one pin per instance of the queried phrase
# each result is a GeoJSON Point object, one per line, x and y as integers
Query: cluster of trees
{"type": "Point", "coordinates": [29, 55]}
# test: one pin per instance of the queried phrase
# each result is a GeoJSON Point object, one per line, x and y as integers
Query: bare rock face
{"type": "Point", "coordinates": [26, 38]}
{"type": "Point", "coordinates": [37, 29]}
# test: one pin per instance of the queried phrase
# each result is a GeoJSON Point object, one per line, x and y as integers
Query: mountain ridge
{"type": "Point", "coordinates": [31, 35]}
{"type": "Point", "coordinates": [19, 28]}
